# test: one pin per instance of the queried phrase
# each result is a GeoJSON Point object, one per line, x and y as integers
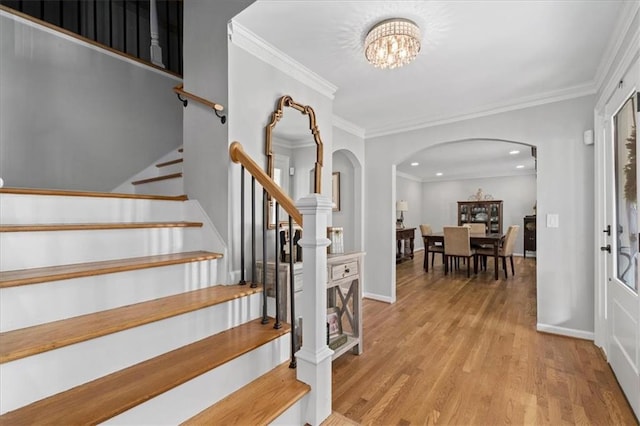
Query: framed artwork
{"type": "Point", "coordinates": [335, 191]}
{"type": "Point", "coordinates": [334, 326]}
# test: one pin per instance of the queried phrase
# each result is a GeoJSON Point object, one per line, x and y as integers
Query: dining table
{"type": "Point", "coordinates": [490, 239]}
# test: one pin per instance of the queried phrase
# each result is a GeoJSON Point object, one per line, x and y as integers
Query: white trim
{"type": "Point", "coordinates": [377, 297]}
{"type": "Point", "coordinates": [526, 102]}
{"type": "Point", "coordinates": [478, 176]}
{"type": "Point", "coordinates": [250, 42]}
{"type": "Point", "coordinates": [410, 177]}
{"type": "Point", "coordinates": [348, 126]}
{"type": "Point", "coordinates": [83, 43]}
{"type": "Point", "coordinates": [628, 58]}
{"type": "Point", "coordinates": [562, 331]}
{"type": "Point", "coordinates": [623, 24]}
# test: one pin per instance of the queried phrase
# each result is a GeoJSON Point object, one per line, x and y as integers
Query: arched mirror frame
{"type": "Point", "coordinates": [287, 101]}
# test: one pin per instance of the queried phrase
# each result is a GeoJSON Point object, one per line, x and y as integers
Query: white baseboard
{"type": "Point", "coordinates": [377, 297]}
{"type": "Point", "coordinates": [562, 331]}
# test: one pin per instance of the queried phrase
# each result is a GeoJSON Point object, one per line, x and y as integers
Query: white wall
{"type": "Point", "coordinates": [75, 117]}
{"type": "Point", "coordinates": [518, 193]}
{"type": "Point", "coordinates": [254, 88]}
{"type": "Point", "coordinates": [564, 187]}
{"type": "Point", "coordinates": [410, 190]}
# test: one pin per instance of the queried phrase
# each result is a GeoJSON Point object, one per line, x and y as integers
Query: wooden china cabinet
{"type": "Point", "coordinates": [488, 212]}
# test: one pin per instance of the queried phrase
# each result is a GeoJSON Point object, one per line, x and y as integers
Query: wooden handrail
{"type": "Point", "coordinates": [180, 91]}
{"type": "Point", "coordinates": [237, 154]}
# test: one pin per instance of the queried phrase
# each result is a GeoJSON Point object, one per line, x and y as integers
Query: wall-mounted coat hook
{"type": "Point", "coordinates": [185, 102]}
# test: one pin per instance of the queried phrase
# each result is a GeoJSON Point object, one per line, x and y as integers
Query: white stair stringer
{"type": "Point", "coordinates": [22, 250]}
{"type": "Point", "coordinates": [29, 379]}
{"type": "Point", "coordinates": [185, 401]}
{"type": "Point", "coordinates": [33, 304]}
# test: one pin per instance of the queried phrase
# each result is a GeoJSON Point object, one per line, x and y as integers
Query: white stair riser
{"type": "Point", "coordinates": [29, 379]}
{"type": "Point", "coordinates": [34, 209]}
{"type": "Point", "coordinates": [21, 250]}
{"type": "Point", "coordinates": [169, 170]}
{"type": "Point", "coordinates": [294, 415]}
{"type": "Point", "coordinates": [187, 400]}
{"type": "Point", "coordinates": [173, 186]}
{"type": "Point", "coordinates": [28, 305]}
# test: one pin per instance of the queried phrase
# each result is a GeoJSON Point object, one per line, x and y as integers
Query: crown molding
{"type": "Point", "coordinates": [408, 177]}
{"type": "Point", "coordinates": [258, 47]}
{"type": "Point", "coordinates": [622, 28]}
{"type": "Point", "coordinates": [479, 176]}
{"type": "Point", "coordinates": [348, 126]}
{"type": "Point", "coordinates": [522, 103]}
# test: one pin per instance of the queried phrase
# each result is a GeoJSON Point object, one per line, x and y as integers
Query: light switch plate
{"type": "Point", "coordinates": [553, 220]}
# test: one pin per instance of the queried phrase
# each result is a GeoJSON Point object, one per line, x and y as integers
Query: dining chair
{"type": "Point", "coordinates": [505, 250]}
{"type": "Point", "coordinates": [457, 245]}
{"type": "Point", "coordinates": [425, 229]}
{"type": "Point", "coordinates": [476, 228]}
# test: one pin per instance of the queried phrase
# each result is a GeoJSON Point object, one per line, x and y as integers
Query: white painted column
{"type": "Point", "coordinates": [314, 358]}
{"type": "Point", "coordinates": [156, 50]}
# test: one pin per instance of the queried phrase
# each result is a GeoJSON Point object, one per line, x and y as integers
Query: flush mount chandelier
{"type": "Point", "coordinates": [392, 43]}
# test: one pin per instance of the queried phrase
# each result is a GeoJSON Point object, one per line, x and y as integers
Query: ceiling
{"type": "Point", "coordinates": [476, 56]}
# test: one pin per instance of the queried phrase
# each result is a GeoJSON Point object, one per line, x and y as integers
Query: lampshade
{"type": "Point", "coordinates": [392, 43]}
{"type": "Point", "coordinates": [402, 206]}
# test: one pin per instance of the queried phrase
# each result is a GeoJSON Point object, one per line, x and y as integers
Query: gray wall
{"type": "Point", "coordinates": [206, 140]}
{"type": "Point", "coordinates": [345, 218]}
{"type": "Point", "coordinates": [564, 187]}
{"type": "Point", "coordinates": [74, 117]}
{"type": "Point", "coordinates": [518, 193]}
{"type": "Point", "coordinates": [254, 88]}
{"type": "Point", "coordinates": [410, 190]}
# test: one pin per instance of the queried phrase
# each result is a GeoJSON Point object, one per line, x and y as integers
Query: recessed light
{"type": "Point", "coordinates": [439, 174]}
{"type": "Point", "coordinates": [520, 166]}
{"type": "Point", "coordinates": [415, 164]}
{"type": "Point", "coordinates": [514, 152]}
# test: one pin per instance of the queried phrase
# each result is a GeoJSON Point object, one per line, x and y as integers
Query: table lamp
{"type": "Point", "coordinates": [401, 206]}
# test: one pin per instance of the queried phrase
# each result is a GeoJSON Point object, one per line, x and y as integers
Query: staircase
{"type": "Point", "coordinates": [110, 312]}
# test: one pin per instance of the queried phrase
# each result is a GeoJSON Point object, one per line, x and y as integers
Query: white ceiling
{"type": "Point", "coordinates": [476, 56]}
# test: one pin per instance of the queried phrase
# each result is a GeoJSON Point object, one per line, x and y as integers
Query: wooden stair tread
{"type": "Point", "coordinates": [29, 341]}
{"type": "Point", "coordinates": [66, 193]}
{"type": "Point", "coordinates": [77, 270]}
{"type": "Point", "coordinates": [169, 163]}
{"type": "Point", "coordinates": [96, 226]}
{"type": "Point", "coordinates": [337, 419]}
{"type": "Point", "coordinates": [108, 396]}
{"type": "Point", "coordinates": [157, 178]}
{"type": "Point", "coordinates": [258, 403]}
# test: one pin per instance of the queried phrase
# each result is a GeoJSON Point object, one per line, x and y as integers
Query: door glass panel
{"type": "Point", "coordinates": [626, 194]}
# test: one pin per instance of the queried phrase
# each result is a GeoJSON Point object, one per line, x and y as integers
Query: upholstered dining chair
{"type": "Point", "coordinates": [425, 229]}
{"type": "Point", "coordinates": [476, 228]}
{"type": "Point", "coordinates": [457, 245]}
{"type": "Point", "coordinates": [505, 250]}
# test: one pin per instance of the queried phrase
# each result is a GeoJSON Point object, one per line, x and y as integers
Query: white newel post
{"type": "Point", "coordinates": [156, 50]}
{"type": "Point", "coordinates": [314, 358]}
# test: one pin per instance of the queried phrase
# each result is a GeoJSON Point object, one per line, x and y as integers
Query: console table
{"type": "Point", "coordinates": [344, 293]}
{"type": "Point", "coordinates": [404, 239]}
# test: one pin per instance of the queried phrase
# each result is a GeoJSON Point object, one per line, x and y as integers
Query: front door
{"type": "Point", "coordinates": [621, 237]}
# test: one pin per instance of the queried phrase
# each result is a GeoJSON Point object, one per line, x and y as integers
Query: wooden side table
{"type": "Point", "coordinates": [404, 239]}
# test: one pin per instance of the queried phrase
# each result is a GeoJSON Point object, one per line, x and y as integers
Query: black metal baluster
{"type": "Point", "coordinates": [254, 280]}
{"type": "Point", "coordinates": [95, 21]}
{"type": "Point", "coordinates": [242, 280]}
{"type": "Point", "coordinates": [41, 10]}
{"type": "Point", "coordinates": [110, 24]}
{"type": "Point", "coordinates": [179, 29]}
{"type": "Point", "coordinates": [276, 279]}
{"type": "Point", "coordinates": [137, 29]}
{"type": "Point", "coordinates": [60, 14]}
{"type": "Point", "coordinates": [265, 206]}
{"type": "Point", "coordinates": [79, 10]}
{"type": "Point", "coordinates": [124, 26]}
{"type": "Point", "coordinates": [292, 302]}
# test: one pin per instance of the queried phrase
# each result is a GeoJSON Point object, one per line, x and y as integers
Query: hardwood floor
{"type": "Point", "coordinates": [459, 351]}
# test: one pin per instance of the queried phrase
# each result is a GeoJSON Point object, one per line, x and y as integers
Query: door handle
{"type": "Point", "coordinates": [608, 230]}
{"type": "Point", "coordinates": [606, 248]}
